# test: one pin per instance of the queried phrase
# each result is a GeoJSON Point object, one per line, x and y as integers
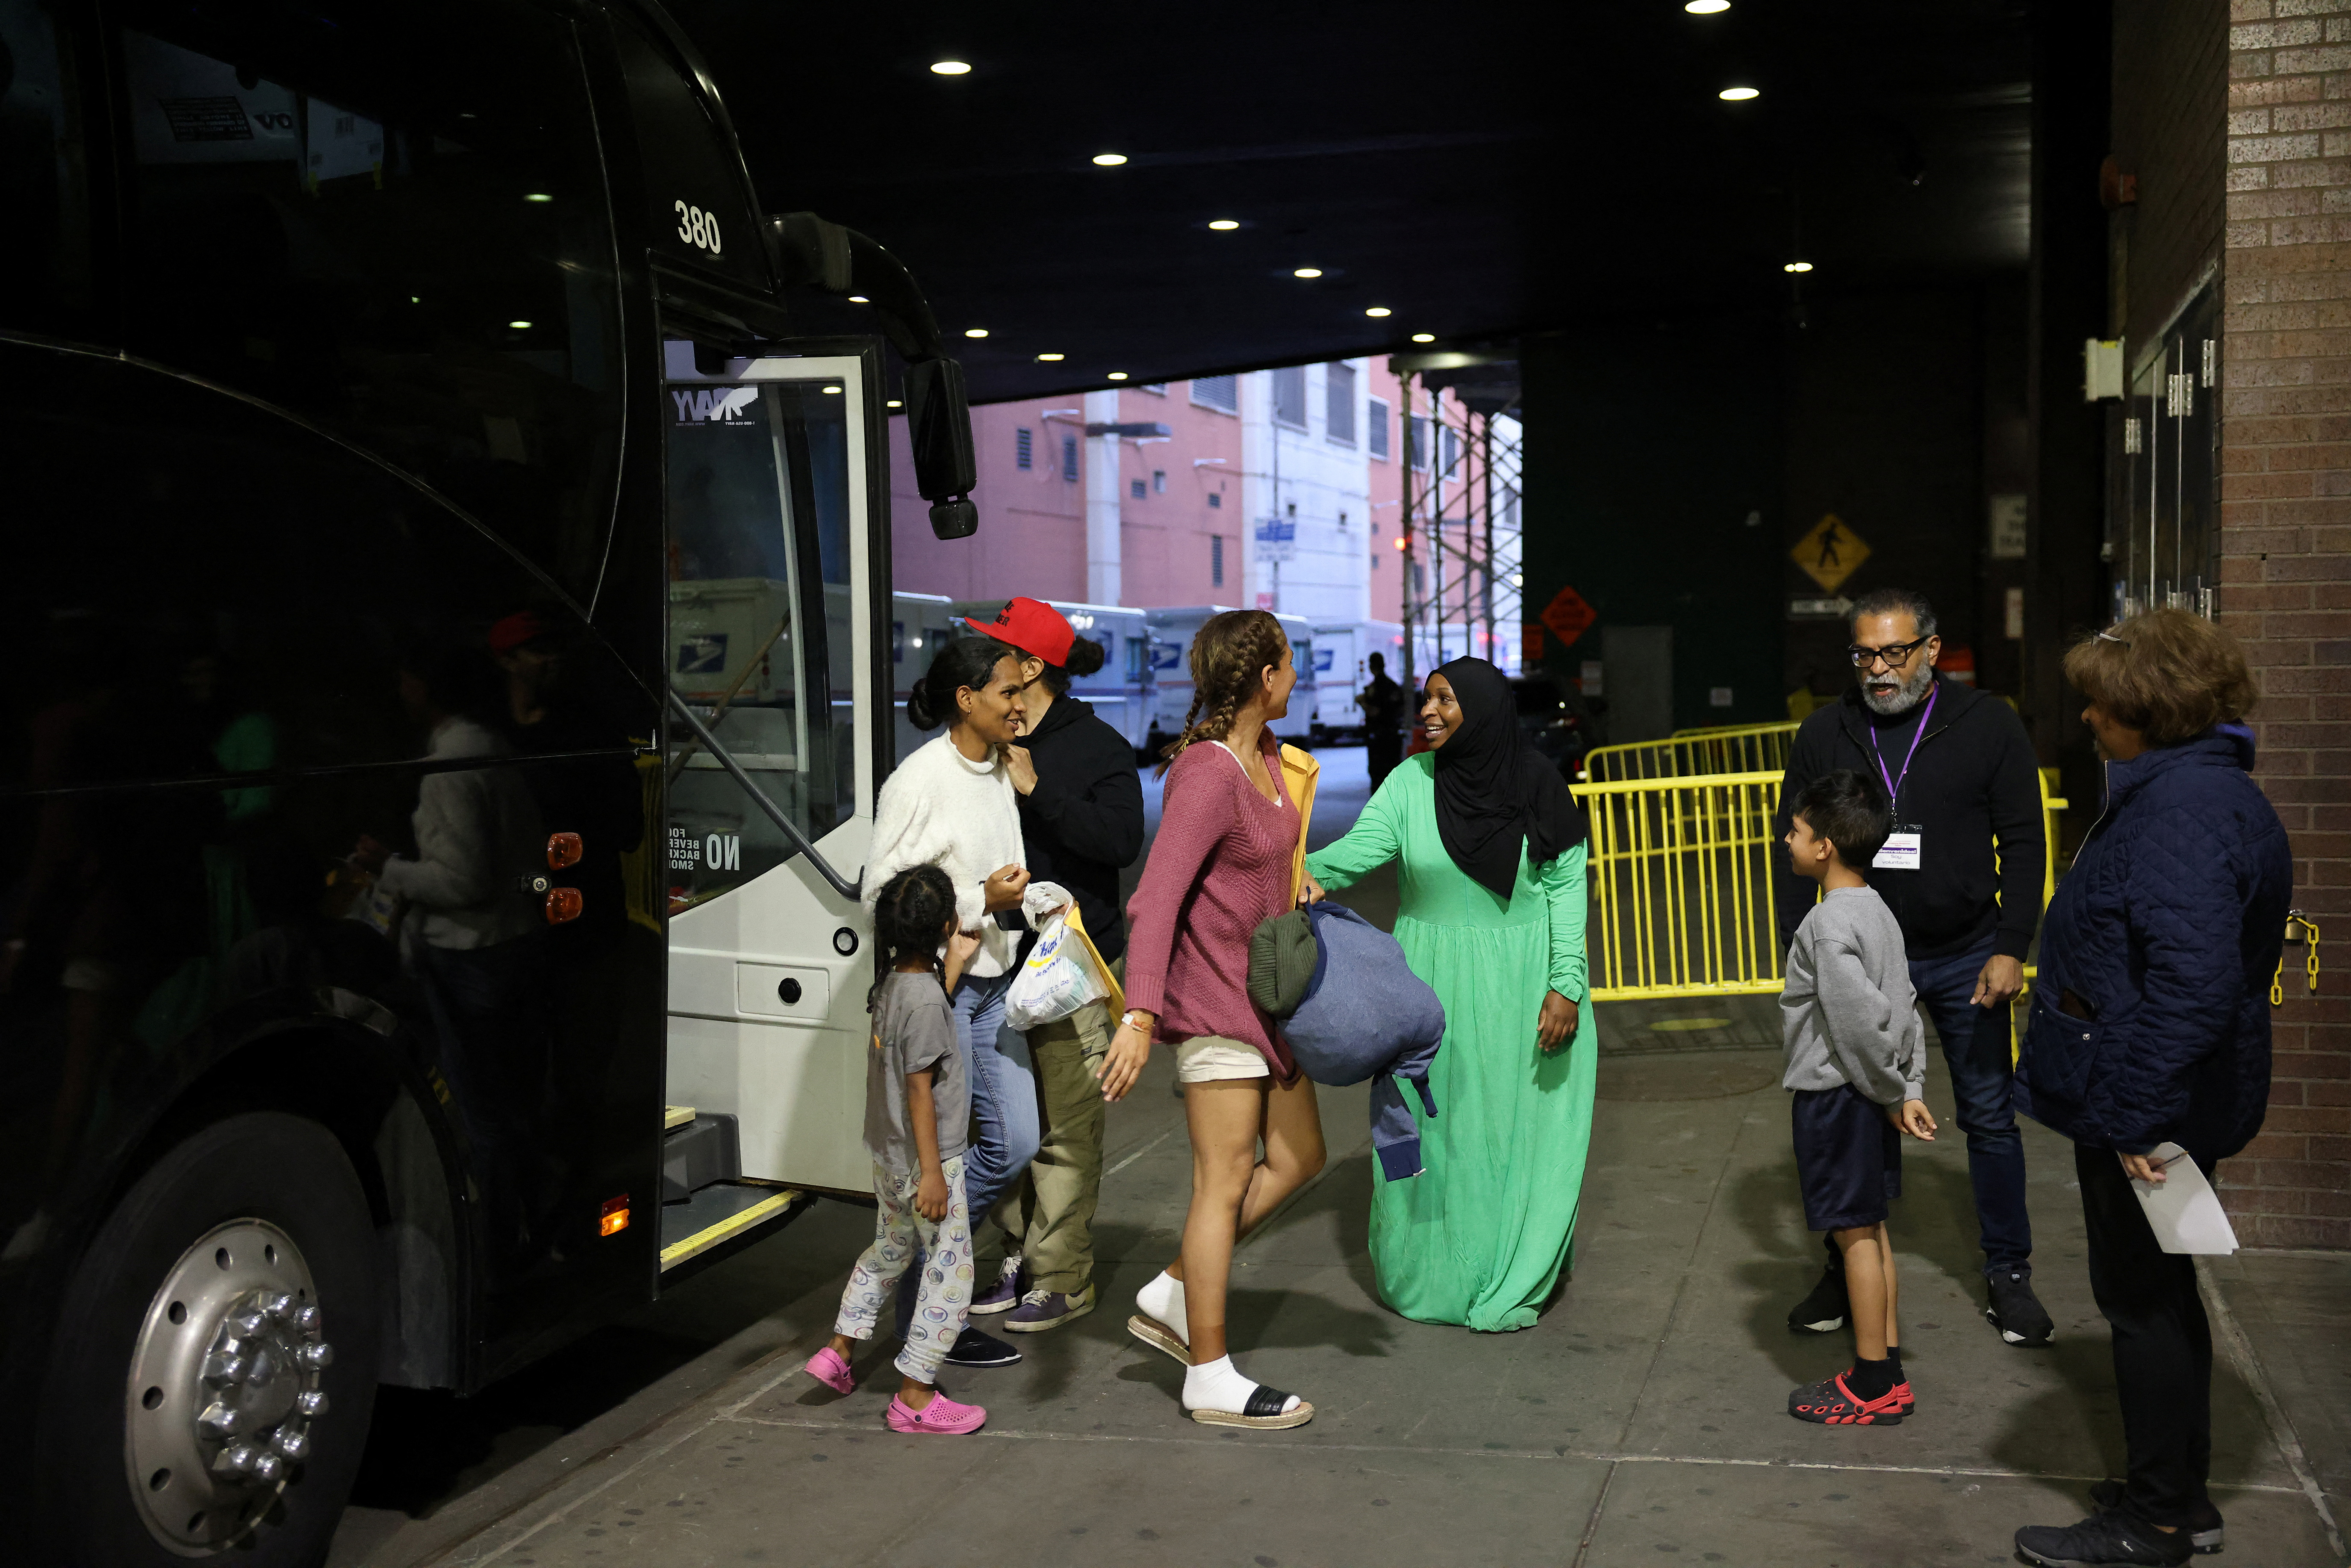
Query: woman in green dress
{"type": "Point", "coordinates": [1491, 882]}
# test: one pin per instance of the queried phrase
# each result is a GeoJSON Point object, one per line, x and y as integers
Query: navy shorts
{"type": "Point", "coordinates": [1848, 1157]}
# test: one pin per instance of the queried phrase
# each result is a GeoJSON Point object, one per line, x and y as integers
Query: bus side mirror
{"type": "Point", "coordinates": [938, 426]}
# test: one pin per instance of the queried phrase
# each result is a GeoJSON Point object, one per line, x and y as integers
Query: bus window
{"type": "Point", "coordinates": [758, 613]}
{"type": "Point", "coordinates": [391, 221]}
{"type": "Point", "coordinates": [46, 266]}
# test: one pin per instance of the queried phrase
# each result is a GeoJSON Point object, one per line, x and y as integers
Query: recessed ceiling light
{"type": "Point", "coordinates": [1110, 160]}
{"type": "Point", "coordinates": [1118, 375]}
{"type": "Point", "coordinates": [1306, 272]}
{"type": "Point", "coordinates": [950, 68]}
{"type": "Point", "coordinates": [1798, 267]}
{"type": "Point", "coordinates": [1739, 94]}
{"type": "Point", "coordinates": [1224, 225]}
{"type": "Point", "coordinates": [538, 197]}
{"type": "Point", "coordinates": [893, 402]}
{"type": "Point", "coordinates": [520, 326]}
{"type": "Point", "coordinates": [975, 331]}
{"type": "Point", "coordinates": [833, 389]}
{"type": "Point", "coordinates": [1048, 358]}
{"type": "Point", "coordinates": [1707, 7]}
{"type": "Point", "coordinates": [859, 300]}
{"type": "Point", "coordinates": [1378, 311]}
{"type": "Point", "coordinates": [1424, 337]}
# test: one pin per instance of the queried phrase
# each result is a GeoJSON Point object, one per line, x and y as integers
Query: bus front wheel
{"type": "Point", "coordinates": [214, 1365]}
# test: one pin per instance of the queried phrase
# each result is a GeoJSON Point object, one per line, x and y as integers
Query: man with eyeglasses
{"type": "Point", "coordinates": [1961, 871]}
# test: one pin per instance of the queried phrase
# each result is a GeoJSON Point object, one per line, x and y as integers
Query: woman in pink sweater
{"type": "Point", "coordinates": [1219, 866]}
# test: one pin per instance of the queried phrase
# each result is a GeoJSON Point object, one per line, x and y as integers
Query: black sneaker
{"type": "Point", "coordinates": [973, 1348]}
{"type": "Point", "coordinates": [2102, 1540]}
{"type": "Point", "coordinates": [1825, 1310]}
{"type": "Point", "coordinates": [2204, 1530]}
{"type": "Point", "coordinates": [2015, 1310]}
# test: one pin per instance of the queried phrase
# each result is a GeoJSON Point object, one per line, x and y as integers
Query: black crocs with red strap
{"type": "Point", "coordinates": [1834, 1403]}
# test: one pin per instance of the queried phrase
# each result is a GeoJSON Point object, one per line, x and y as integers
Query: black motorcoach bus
{"type": "Point", "coordinates": [444, 680]}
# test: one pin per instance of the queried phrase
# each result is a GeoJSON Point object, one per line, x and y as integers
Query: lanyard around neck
{"type": "Point", "coordinates": [1894, 781]}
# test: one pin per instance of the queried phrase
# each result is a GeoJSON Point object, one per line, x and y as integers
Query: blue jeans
{"type": "Point", "coordinates": [1984, 1082]}
{"type": "Point", "coordinates": [1005, 1126]}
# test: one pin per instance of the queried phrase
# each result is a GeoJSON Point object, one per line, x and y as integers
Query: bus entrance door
{"type": "Point", "coordinates": [771, 783]}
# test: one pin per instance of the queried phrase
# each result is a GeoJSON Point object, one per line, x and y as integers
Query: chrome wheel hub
{"type": "Point", "coordinates": [224, 1388]}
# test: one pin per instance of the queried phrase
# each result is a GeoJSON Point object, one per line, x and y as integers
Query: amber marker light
{"type": "Point", "coordinates": [614, 1217]}
{"type": "Point", "coordinates": [563, 850]}
{"type": "Point", "coordinates": [563, 905]}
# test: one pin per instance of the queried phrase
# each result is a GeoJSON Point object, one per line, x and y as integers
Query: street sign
{"type": "Point", "coordinates": [1568, 616]}
{"type": "Point", "coordinates": [1277, 539]}
{"type": "Point", "coordinates": [1829, 552]}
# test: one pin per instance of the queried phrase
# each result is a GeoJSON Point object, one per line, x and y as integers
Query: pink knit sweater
{"type": "Point", "coordinates": [1219, 866]}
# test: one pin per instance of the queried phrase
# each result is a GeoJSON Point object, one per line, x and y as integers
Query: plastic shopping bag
{"type": "Point", "coordinates": [1062, 974]}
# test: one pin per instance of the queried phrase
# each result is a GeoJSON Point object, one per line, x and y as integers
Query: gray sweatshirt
{"type": "Point", "coordinates": [1847, 1012]}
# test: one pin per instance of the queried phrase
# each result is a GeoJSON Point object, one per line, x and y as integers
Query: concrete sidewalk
{"type": "Point", "coordinates": [1643, 1419]}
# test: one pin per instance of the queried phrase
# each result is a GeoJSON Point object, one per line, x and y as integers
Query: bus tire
{"type": "Point", "coordinates": [190, 1402]}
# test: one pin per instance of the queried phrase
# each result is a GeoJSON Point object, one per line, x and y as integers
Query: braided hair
{"type": "Point", "coordinates": [1230, 655]}
{"type": "Point", "coordinates": [911, 918]}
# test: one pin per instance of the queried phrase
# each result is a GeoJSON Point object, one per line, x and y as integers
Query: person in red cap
{"type": "Point", "coordinates": [1080, 823]}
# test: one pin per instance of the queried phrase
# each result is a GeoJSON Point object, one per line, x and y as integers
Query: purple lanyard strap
{"type": "Point", "coordinates": [1894, 782]}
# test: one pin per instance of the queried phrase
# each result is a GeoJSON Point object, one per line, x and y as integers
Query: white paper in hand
{"type": "Point", "coordinates": [2185, 1212]}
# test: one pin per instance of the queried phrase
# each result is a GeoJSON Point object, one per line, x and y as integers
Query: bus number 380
{"type": "Point", "coordinates": [697, 227]}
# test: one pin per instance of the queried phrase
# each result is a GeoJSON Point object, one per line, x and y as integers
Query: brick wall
{"type": "Point", "coordinates": [2285, 544]}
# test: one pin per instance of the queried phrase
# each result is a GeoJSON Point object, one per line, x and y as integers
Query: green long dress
{"type": "Point", "coordinates": [1480, 1236]}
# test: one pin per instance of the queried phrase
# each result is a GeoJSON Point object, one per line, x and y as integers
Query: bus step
{"type": "Point", "coordinates": [703, 1151]}
{"type": "Point", "coordinates": [718, 1213]}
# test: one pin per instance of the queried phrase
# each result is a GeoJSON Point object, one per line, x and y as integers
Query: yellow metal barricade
{"type": "Point", "coordinates": [1681, 871]}
{"type": "Point", "coordinates": [1729, 749]}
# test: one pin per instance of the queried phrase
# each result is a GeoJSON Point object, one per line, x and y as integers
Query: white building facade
{"type": "Point", "coordinates": [1306, 491]}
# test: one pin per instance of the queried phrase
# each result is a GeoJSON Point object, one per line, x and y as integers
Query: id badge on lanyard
{"type": "Point", "coordinates": [1902, 848]}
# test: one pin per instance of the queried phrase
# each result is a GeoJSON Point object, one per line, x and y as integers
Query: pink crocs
{"type": "Point", "coordinates": [827, 1368]}
{"type": "Point", "coordinates": [942, 1416]}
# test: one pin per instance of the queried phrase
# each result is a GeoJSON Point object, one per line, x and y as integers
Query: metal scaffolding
{"type": "Point", "coordinates": [1460, 526]}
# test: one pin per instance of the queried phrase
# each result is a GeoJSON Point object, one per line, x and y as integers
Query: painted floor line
{"type": "Point", "coordinates": [1597, 1456]}
{"type": "Point", "coordinates": [1143, 1151]}
{"type": "Point", "coordinates": [2239, 1351]}
{"type": "Point", "coordinates": [688, 1430]}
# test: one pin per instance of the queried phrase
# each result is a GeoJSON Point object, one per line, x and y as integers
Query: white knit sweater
{"type": "Point", "coordinates": [942, 809]}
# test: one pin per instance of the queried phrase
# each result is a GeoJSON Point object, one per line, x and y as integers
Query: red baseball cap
{"type": "Point", "coordinates": [1032, 626]}
{"type": "Point", "coordinates": [516, 630]}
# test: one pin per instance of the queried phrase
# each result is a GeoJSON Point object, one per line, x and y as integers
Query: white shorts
{"type": "Point", "coordinates": [1206, 1058]}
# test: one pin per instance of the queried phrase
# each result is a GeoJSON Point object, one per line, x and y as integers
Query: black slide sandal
{"type": "Point", "coordinates": [1264, 1411]}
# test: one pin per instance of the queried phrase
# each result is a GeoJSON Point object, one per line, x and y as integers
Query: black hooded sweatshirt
{"type": "Point", "coordinates": [1083, 822]}
{"type": "Point", "coordinates": [1972, 781]}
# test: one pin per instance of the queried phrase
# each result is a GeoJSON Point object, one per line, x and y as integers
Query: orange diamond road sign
{"type": "Point", "coordinates": [1829, 552]}
{"type": "Point", "coordinates": [1568, 616]}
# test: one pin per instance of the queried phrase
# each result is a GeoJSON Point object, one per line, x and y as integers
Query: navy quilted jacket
{"type": "Point", "coordinates": [2166, 931]}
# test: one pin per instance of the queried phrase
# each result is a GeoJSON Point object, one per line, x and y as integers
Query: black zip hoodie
{"type": "Point", "coordinates": [1971, 780]}
{"type": "Point", "coordinates": [1083, 822]}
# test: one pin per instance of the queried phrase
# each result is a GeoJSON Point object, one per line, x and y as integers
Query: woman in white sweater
{"type": "Point", "coordinates": [951, 805]}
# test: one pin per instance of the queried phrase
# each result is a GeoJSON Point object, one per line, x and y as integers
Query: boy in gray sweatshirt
{"type": "Point", "coordinates": [1856, 1059]}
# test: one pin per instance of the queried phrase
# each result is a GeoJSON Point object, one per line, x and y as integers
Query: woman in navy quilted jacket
{"type": "Point", "coordinates": [2150, 1026]}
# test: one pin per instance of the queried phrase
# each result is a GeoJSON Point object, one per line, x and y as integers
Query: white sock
{"type": "Point", "coordinates": [1218, 1386]}
{"type": "Point", "coordinates": [1163, 1298]}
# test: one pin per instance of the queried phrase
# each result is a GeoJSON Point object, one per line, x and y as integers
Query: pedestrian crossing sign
{"type": "Point", "coordinates": [1829, 552]}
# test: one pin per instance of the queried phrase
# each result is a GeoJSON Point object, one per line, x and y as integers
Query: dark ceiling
{"type": "Point", "coordinates": [1480, 170]}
